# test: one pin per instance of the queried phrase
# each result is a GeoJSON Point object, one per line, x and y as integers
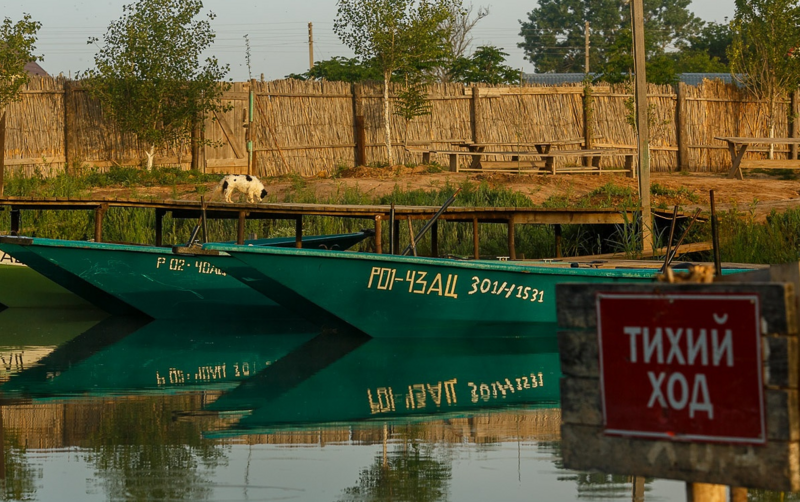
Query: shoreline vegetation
{"type": "Point", "coordinates": [743, 238]}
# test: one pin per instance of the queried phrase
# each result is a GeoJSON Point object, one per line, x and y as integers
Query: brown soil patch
{"type": "Point", "coordinates": [761, 192]}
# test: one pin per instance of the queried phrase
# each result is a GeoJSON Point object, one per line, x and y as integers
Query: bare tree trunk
{"type": "Point", "coordinates": [150, 155]}
{"type": "Point", "coordinates": [388, 129]}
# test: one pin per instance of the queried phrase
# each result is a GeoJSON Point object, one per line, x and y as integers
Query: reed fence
{"type": "Point", "coordinates": [309, 128]}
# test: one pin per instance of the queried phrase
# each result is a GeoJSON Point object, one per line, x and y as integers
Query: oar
{"type": "Point", "coordinates": [669, 241]}
{"type": "Point", "coordinates": [680, 241]}
{"type": "Point", "coordinates": [430, 223]}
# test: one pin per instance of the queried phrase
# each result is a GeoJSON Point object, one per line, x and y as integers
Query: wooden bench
{"type": "Point", "coordinates": [545, 161]}
{"type": "Point", "coordinates": [738, 146]}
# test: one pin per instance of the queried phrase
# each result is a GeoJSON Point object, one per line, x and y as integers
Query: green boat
{"type": "Point", "coordinates": [404, 296]}
{"type": "Point", "coordinates": [127, 279]}
{"type": "Point", "coordinates": [400, 380]}
{"type": "Point", "coordinates": [123, 356]}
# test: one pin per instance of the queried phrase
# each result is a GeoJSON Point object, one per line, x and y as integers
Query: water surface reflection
{"type": "Point", "coordinates": [120, 409]}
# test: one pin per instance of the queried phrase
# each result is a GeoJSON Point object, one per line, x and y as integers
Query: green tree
{"type": "Point", "coordinates": [765, 32]}
{"type": "Point", "coordinates": [341, 69]}
{"type": "Point", "coordinates": [148, 76]}
{"type": "Point", "coordinates": [17, 45]}
{"type": "Point", "coordinates": [554, 32]}
{"type": "Point", "coordinates": [398, 35]}
{"type": "Point", "coordinates": [713, 39]}
{"type": "Point", "coordinates": [486, 64]}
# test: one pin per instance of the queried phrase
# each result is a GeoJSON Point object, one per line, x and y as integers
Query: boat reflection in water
{"type": "Point", "coordinates": [180, 411]}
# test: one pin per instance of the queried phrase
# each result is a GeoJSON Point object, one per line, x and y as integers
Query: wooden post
{"type": "Point", "coordinates": [682, 134]}
{"type": "Point", "coordinates": [310, 46]}
{"type": "Point", "coordinates": [378, 235]}
{"type": "Point", "coordinates": [637, 492]}
{"type": "Point", "coordinates": [703, 492]}
{"type": "Point", "coordinates": [512, 251]}
{"type": "Point", "coordinates": [16, 220]}
{"type": "Point", "coordinates": [738, 494]}
{"type": "Point", "coordinates": [160, 226]}
{"type": "Point", "coordinates": [643, 137]}
{"type": "Point", "coordinates": [557, 232]}
{"type": "Point", "coordinates": [250, 113]}
{"type": "Point", "coordinates": [69, 122]}
{"type": "Point", "coordinates": [359, 133]}
{"type": "Point", "coordinates": [298, 232]}
{"type": "Point", "coordinates": [474, 114]}
{"type": "Point", "coordinates": [396, 232]}
{"type": "Point", "coordinates": [240, 228]}
{"type": "Point", "coordinates": [475, 240]}
{"type": "Point", "coordinates": [2, 152]}
{"type": "Point", "coordinates": [99, 213]}
{"type": "Point", "coordinates": [435, 239]}
{"type": "Point", "coordinates": [794, 121]}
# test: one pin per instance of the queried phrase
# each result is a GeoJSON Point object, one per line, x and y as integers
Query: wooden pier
{"type": "Point", "coordinates": [291, 211]}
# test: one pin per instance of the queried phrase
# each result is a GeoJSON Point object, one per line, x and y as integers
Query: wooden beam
{"type": "Point", "coordinates": [240, 227]}
{"type": "Point", "coordinates": [378, 235]}
{"type": "Point", "coordinates": [682, 131]}
{"type": "Point", "coordinates": [2, 152]}
{"type": "Point", "coordinates": [643, 137]}
{"type": "Point", "coordinates": [435, 239]}
{"type": "Point", "coordinates": [298, 232]}
{"type": "Point", "coordinates": [475, 239]}
{"type": "Point", "coordinates": [512, 246]}
{"type": "Point", "coordinates": [160, 226]}
{"type": "Point", "coordinates": [99, 213]}
{"type": "Point", "coordinates": [16, 221]}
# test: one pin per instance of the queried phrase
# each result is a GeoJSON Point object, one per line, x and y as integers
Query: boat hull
{"type": "Point", "coordinates": [147, 280]}
{"type": "Point", "coordinates": [394, 296]}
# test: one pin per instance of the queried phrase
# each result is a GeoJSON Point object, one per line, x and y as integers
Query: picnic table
{"type": "Point", "coordinates": [540, 147]}
{"type": "Point", "coordinates": [738, 146]}
{"type": "Point", "coordinates": [543, 157]}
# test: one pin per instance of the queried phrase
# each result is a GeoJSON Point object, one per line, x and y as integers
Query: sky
{"type": "Point", "coordinates": [277, 31]}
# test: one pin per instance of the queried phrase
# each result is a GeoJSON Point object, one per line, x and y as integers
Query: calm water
{"type": "Point", "coordinates": [117, 409]}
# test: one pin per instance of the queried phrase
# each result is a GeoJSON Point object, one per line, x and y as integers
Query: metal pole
{"type": "Point", "coordinates": [669, 241]}
{"type": "Point", "coordinates": [715, 236]}
{"type": "Point", "coordinates": [430, 223]}
{"type": "Point", "coordinates": [205, 221]}
{"type": "Point", "coordinates": [643, 139]}
{"type": "Point", "coordinates": [411, 237]}
{"type": "Point", "coordinates": [680, 241]}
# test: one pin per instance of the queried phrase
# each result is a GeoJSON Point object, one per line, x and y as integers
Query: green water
{"type": "Point", "coordinates": [122, 409]}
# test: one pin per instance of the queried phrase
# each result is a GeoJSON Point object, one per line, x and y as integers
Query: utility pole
{"type": "Point", "coordinates": [643, 141]}
{"type": "Point", "coordinates": [310, 46]}
{"type": "Point", "coordinates": [586, 43]}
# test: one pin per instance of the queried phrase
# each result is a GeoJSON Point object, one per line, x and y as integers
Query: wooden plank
{"type": "Point", "coordinates": [226, 128]}
{"type": "Point", "coordinates": [769, 164]}
{"type": "Point", "coordinates": [512, 165]}
{"type": "Point", "coordinates": [776, 466]}
{"type": "Point", "coordinates": [692, 247]}
{"type": "Point", "coordinates": [37, 161]}
{"type": "Point", "coordinates": [221, 163]}
{"type": "Point", "coordinates": [580, 358]}
{"type": "Point", "coordinates": [576, 307]}
{"type": "Point", "coordinates": [763, 141]}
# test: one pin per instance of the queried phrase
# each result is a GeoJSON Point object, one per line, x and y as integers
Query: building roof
{"type": "Point", "coordinates": [35, 70]}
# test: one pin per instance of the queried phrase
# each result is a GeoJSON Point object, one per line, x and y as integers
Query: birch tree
{"type": "Point", "coordinates": [149, 77]}
{"type": "Point", "coordinates": [398, 35]}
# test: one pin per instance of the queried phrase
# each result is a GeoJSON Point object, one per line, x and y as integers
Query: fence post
{"type": "Point", "coordinates": [69, 123]}
{"type": "Point", "coordinates": [794, 122]}
{"type": "Point", "coordinates": [250, 111]}
{"type": "Point", "coordinates": [2, 152]}
{"type": "Point", "coordinates": [474, 113]}
{"type": "Point", "coordinates": [681, 134]}
{"type": "Point", "coordinates": [359, 133]}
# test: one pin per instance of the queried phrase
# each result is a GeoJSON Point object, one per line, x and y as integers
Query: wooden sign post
{"type": "Point", "coordinates": [696, 382]}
